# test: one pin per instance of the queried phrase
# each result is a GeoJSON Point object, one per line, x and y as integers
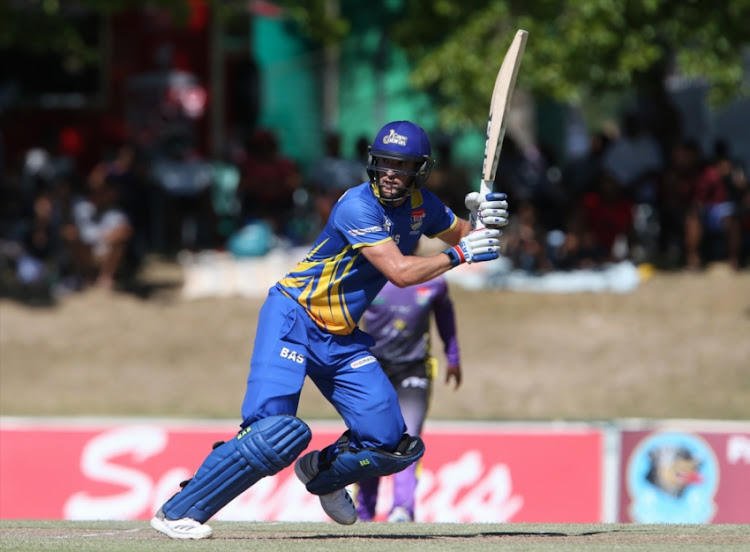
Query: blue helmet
{"type": "Point", "coordinates": [403, 141]}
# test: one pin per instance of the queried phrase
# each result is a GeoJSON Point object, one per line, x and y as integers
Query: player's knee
{"type": "Point", "coordinates": [342, 465]}
{"type": "Point", "coordinates": [385, 435]}
{"type": "Point", "coordinates": [273, 443]}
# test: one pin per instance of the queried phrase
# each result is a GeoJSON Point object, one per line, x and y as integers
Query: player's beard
{"type": "Point", "coordinates": [391, 192]}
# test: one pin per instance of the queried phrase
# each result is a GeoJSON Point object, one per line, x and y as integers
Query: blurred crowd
{"type": "Point", "coordinates": [66, 228]}
{"type": "Point", "coordinates": [630, 197]}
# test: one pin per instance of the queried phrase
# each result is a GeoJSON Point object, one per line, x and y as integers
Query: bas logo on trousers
{"type": "Point", "coordinates": [292, 355]}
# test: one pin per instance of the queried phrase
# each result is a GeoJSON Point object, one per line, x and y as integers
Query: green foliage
{"type": "Point", "coordinates": [576, 48]}
{"type": "Point", "coordinates": [41, 26]}
{"type": "Point", "coordinates": [319, 20]}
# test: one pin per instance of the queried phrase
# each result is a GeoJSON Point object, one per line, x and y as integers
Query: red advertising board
{"type": "Point", "coordinates": [686, 474]}
{"type": "Point", "coordinates": [126, 469]}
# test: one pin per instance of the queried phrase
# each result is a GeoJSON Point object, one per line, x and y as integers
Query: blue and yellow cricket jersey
{"type": "Point", "coordinates": [334, 282]}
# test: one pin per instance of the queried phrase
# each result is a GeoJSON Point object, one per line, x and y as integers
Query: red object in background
{"type": "Point", "coordinates": [71, 142]}
{"type": "Point", "coordinates": [126, 470]}
{"type": "Point", "coordinates": [200, 13]}
{"type": "Point", "coordinates": [135, 38]}
{"type": "Point", "coordinates": [607, 219]}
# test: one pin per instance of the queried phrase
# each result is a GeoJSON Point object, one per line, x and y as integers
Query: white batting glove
{"type": "Point", "coordinates": [477, 246]}
{"type": "Point", "coordinates": [491, 210]}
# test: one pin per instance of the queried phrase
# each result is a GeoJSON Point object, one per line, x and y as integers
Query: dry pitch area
{"type": "Point", "coordinates": [385, 537]}
{"type": "Point", "coordinates": [678, 347]}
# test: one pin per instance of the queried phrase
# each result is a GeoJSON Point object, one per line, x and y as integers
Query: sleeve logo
{"type": "Point", "coordinates": [362, 361]}
{"type": "Point", "coordinates": [365, 231]}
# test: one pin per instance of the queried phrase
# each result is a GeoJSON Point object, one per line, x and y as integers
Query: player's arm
{"type": "Point", "coordinates": [408, 270]}
{"type": "Point", "coordinates": [405, 270]}
{"type": "Point", "coordinates": [454, 235]}
{"type": "Point", "coordinates": [445, 320]}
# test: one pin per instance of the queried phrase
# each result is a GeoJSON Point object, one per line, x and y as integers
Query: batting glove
{"type": "Point", "coordinates": [491, 210]}
{"type": "Point", "coordinates": [477, 246]}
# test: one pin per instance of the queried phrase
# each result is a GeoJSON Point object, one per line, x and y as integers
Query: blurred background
{"type": "Point", "coordinates": [235, 125]}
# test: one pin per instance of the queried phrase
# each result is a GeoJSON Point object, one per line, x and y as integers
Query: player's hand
{"type": "Point", "coordinates": [477, 246]}
{"type": "Point", "coordinates": [491, 210]}
{"type": "Point", "coordinates": [453, 373]}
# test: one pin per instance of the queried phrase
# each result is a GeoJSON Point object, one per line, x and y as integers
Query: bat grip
{"type": "Point", "coordinates": [485, 187]}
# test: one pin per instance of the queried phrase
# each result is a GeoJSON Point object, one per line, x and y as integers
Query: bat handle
{"type": "Point", "coordinates": [485, 187]}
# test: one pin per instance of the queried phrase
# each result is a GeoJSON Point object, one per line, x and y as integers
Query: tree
{"type": "Point", "coordinates": [41, 26]}
{"type": "Point", "coordinates": [577, 49]}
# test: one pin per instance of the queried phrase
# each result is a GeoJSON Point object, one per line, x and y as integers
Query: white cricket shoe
{"type": "Point", "coordinates": [399, 515]}
{"type": "Point", "coordinates": [185, 528]}
{"type": "Point", "coordinates": [338, 505]}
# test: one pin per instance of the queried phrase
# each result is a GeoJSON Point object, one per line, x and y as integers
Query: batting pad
{"type": "Point", "coordinates": [349, 466]}
{"type": "Point", "coordinates": [263, 448]}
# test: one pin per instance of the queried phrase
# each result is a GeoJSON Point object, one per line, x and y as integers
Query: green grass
{"type": "Point", "coordinates": [129, 536]}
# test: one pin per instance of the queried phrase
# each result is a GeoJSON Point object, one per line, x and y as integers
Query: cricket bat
{"type": "Point", "coordinates": [498, 119]}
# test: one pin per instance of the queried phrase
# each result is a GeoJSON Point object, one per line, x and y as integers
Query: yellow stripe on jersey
{"type": "Point", "coordinates": [320, 290]}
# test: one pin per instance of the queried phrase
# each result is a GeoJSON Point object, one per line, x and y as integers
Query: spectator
{"type": "Point", "coordinates": [399, 320]}
{"type": "Point", "coordinates": [607, 221]}
{"type": "Point", "coordinates": [38, 204]}
{"type": "Point", "coordinates": [636, 161]}
{"type": "Point", "coordinates": [734, 178]}
{"type": "Point", "coordinates": [709, 214]}
{"type": "Point", "coordinates": [36, 254]}
{"type": "Point", "coordinates": [125, 167]}
{"type": "Point", "coordinates": [183, 202]}
{"type": "Point", "coordinates": [581, 174]}
{"type": "Point", "coordinates": [331, 176]}
{"type": "Point", "coordinates": [676, 192]}
{"type": "Point", "coordinates": [98, 236]}
{"type": "Point", "coordinates": [548, 191]}
{"type": "Point", "coordinates": [448, 181]}
{"type": "Point", "coordinates": [525, 245]}
{"type": "Point", "coordinates": [268, 181]}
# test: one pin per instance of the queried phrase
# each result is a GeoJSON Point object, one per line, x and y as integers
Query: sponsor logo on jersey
{"type": "Point", "coordinates": [394, 138]}
{"type": "Point", "coordinates": [362, 361]}
{"type": "Point", "coordinates": [417, 217]}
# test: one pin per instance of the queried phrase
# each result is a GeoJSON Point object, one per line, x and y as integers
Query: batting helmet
{"type": "Point", "coordinates": [403, 141]}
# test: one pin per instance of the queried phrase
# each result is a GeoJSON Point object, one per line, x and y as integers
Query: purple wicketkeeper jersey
{"type": "Point", "coordinates": [399, 320]}
{"type": "Point", "coordinates": [335, 283]}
